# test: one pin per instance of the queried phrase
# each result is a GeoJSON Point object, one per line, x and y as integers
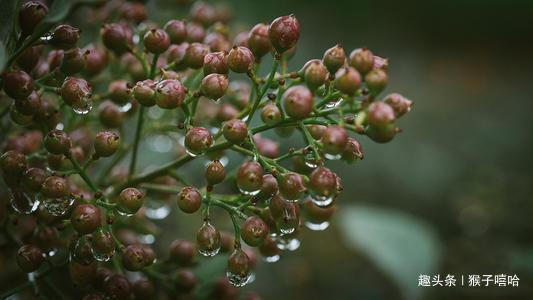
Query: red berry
{"type": "Point", "coordinates": [57, 142]}
{"type": "Point", "coordinates": [298, 102]}
{"type": "Point", "coordinates": [198, 140]}
{"type": "Point", "coordinates": [315, 74]}
{"type": "Point", "coordinates": [133, 258]}
{"type": "Point", "coordinates": [18, 84]}
{"type": "Point", "coordinates": [29, 258]}
{"type": "Point", "coordinates": [376, 80]}
{"type": "Point", "coordinates": [75, 90]}
{"type": "Point", "coordinates": [254, 231]}
{"type": "Point", "coordinates": [195, 54]}
{"type": "Point", "coordinates": [362, 59]}
{"type": "Point", "coordinates": [347, 80]}
{"type": "Point", "coordinates": [30, 105]}
{"type": "Point", "coordinates": [215, 172]}
{"type": "Point", "coordinates": [130, 200]}
{"type": "Point", "coordinates": [250, 177]}
{"type": "Point", "coordinates": [184, 252]}
{"type": "Point", "coordinates": [117, 37]}
{"type": "Point", "coordinates": [353, 151]}
{"type": "Point", "coordinates": [65, 37]}
{"type": "Point", "coordinates": [399, 104]}
{"type": "Point", "coordinates": [334, 140]}
{"type": "Point", "coordinates": [216, 62]}
{"type": "Point", "coordinates": [30, 15]}
{"type": "Point", "coordinates": [334, 58]}
{"type": "Point", "coordinates": [235, 131]}
{"type": "Point", "coordinates": [291, 186]}
{"type": "Point", "coordinates": [258, 40]}
{"type": "Point", "coordinates": [169, 93]}
{"type": "Point", "coordinates": [189, 199]}
{"type": "Point", "coordinates": [106, 143]}
{"type": "Point", "coordinates": [156, 41]}
{"type": "Point", "coordinates": [380, 114]}
{"type": "Point", "coordinates": [176, 30]}
{"type": "Point", "coordinates": [214, 86]}
{"type": "Point", "coordinates": [284, 33]}
{"type": "Point", "coordinates": [323, 181]}
{"type": "Point", "coordinates": [195, 32]}
{"type": "Point", "coordinates": [55, 187]}
{"type": "Point", "coordinates": [85, 218]}
{"type": "Point", "coordinates": [240, 59]}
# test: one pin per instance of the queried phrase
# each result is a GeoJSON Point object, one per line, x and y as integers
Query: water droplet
{"type": "Point", "coordinates": [250, 193]}
{"type": "Point", "coordinates": [192, 154]}
{"type": "Point", "coordinates": [238, 280]}
{"type": "Point", "coordinates": [160, 143]}
{"type": "Point", "coordinates": [317, 226]}
{"type": "Point", "coordinates": [102, 246]}
{"type": "Point", "coordinates": [211, 247]}
{"type": "Point", "coordinates": [58, 206]}
{"type": "Point", "coordinates": [147, 238]}
{"type": "Point", "coordinates": [82, 252]}
{"type": "Point", "coordinates": [23, 202]}
{"type": "Point", "coordinates": [333, 157]}
{"type": "Point", "coordinates": [223, 160]}
{"type": "Point", "coordinates": [125, 107]}
{"type": "Point", "coordinates": [60, 126]}
{"type": "Point", "coordinates": [272, 259]}
{"type": "Point", "coordinates": [289, 221]}
{"type": "Point", "coordinates": [334, 103]}
{"type": "Point", "coordinates": [83, 106]}
{"type": "Point", "coordinates": [310, 161]}
{"type": "Point", "coordinates": [124, 213]}
{"type": "Point", "coordinates": [287, 243]}
{"type": "Point", "coordinates": [322, 201]}
{"type": "Point", "coordinates": [214, 130]}
{"type": "Point", "coordinates": [103, 257]}
{"type": "Point", "coordinates": [156, 210]}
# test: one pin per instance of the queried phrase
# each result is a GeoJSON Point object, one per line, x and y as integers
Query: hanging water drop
{"type": "Point", "coordinates": [24, 202]}
{"type": "Point", "coordinates": [58, 206]}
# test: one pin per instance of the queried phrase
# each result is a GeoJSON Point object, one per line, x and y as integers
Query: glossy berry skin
{"type": "Point", "coordinates": [347, 80]}
{"type": "Point", "coordinates": [316, 131]}
{"type": "Point", "coordinates": [216, 62]}
{"type": "Point", "coordinates": [380, 114]}
{"type": "Point", "coordinates": [169, 93]}
{"type": "Point", "coordinates": [102, 242]}
{"type": "Point", "coordinates": [133, 258]}
{"type": "Point", "coordinates": [235, 131]}
{"type": "Point", "coordinates": [376, 80]}
{"type": "Point", "coordinates": [74, 90]}
{"type": "Point", "coordinates": [353, 151]}
{"type": "Point", "coordinates": [144, 92]}
{"type": "Point", "coordinates": [323, 181]}
{"type": "Point", "coordinates": [208, 238]}
{"type": "Point", "coordinates": [65, 37]}
{"type": "Point", "coordinates": [291, 186]}
{"type": "Point", "coordinates": [334, 58]}
{"type": "Point", "coordinates": [130, 200]}
{"type": "Point", "coordinates": [182, 251]}
{"type": "Point", "coordinates": [284, 33]}
{"type": "Point", "coordinates": [176, 30]}
{"type": "Point", "coordinates": [198, 140]}
{"type": "Point", "coordinates": [110, 115]}
{"type": "Point", "coordinates": [156, 41]}
{"type": "Point", "coordinates": [240, 59]}
{"type": "Point", "coordinates": [214, 86]}
{"type": "Point", "coordinates": [30, 15]}
{"type": "Point", "coordinates": [106, 143]}
{"type": "Point", "coordinates": [315, 74]}
{"type": "Point", "coordinates": [269, 188]}
{"type": "Point", "coordinates": [57, 142]}
{"type": "Point", "coordinates": [74, 61]}
{"type": "Point", "coordinates": [85, 218]}
{"type": "Point", "coordinates": [250, 176]}
{"type": "Point", "coordinates": [119, 91]}
{"type": "Point", "coordinates": [239, 263]}
{"type": "Point", "coordinates": [334, 139]}
{"type": "Point", "coordinates": [189, 200]}
{"type": "Point", "coordinates": [317, 214]}
{"type": "Point", "coordinates": [29, 258]}
{"type": "Point", "coordinates": [185, 281]}
{"type": "Point", "coordinates": [381, 134]}
{"type": "Point", "coordinates": [195, 54]}
{"type": "Point", "coordinates": [117, 37]}
{"type": "Point", "coordinates": [13, 163]}
{"type": "Point", "coordinates": [399, 104]}
{"type": "Point", "coordinates": [298, 102]}
{"type": "Point", "coordinates": [258, 40]}
{"type": "Point", "coordinates": [29, 58]}
{"type": "Point", "coordinates": [96, 58]}
{"type": "Point", "coordinates": [217, 42]}
{"type": "Point", "coordinates": [270, 114]}
{"type": "Point", "coordinates": [362, 59]}
{"type": "Point", "coordinates": [33, 179]}
{"type": "Point", "coordinates": [55, 187]}
{"type": "Point", "coordinates": [195, 32]}
{"type": "Point", "coordinates": [254, 231]}
{"type": "Point", "coordinates": [18, 84]}
{"type": "Point", "coordinates": [117, 286]}
{"type": "Point", "coordinates": [215, 172]}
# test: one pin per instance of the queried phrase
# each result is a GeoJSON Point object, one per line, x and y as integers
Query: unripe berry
{"type": "Point", "coordinates": [33, 179]}
{"type": "Point", "coordinates": [106, 143]}
{"type": "Point", "coordinates": [185, 281]}
{"type": "Point", "coordinates": [334, 140]}
{"type": "Point", "coordinates": [117, 286]}
{"type": "Point", "coordinates": [74, 61]}
{"type": "Point", "coordinates": [208, 239]}
{"type": "Point", "coordinates": [380, 114]}
{"type": "Point", "coordinates": [362, 59]}
{"type": "Point", "coordinates": [334, 58]}
{"type": "Point", "coordinates": [284, 33]}
{"type": "Point", "coordinates": [143, 289]}
{"type": "Point", "coordinates": [227, 112]}
{"type": "Point", "coordinates": [241, 39]}
{"type": "Point", "coordinates": [55, 187]}
{"type": "Point", "coordinates": [382, 134]}
{"type": "Point", "coordinates": [235, 131]}
{"type": "Point", "coordinates": [316, 214]}
{"type": "Point", "coordinates": [117, 37]}
{"type": "Point", "coordinates": [316, 131]}
{"type": "Point", "coordinates": [110, 115]}
{"type": "Point", "coordinates": [75, 90]}
{"type": "Point", "coordinates": [189, 200]}
{"type": "Point", "coordinates": [250, 177]}
{"type": "Point", "coordinates": [29, 258]}
{"type": "Point", "coordinates": [254, 231]}
{"type": "Point", "coordinates": [183, 251]}
{"type": "Point", "coordinates": [57, 142]}
{"type": "Point", "coordinates": [380, 63]}
{"type": "Point", "coordinates": [97, 60]}
{"type": "Point", "coordinates": [30, 105]}
{"type": "Point", "coordinates": [134, 12]}
{"type": "Point", "coordinates": [156, 41]}
{"type": "Point", "coordinates": [353, 151]}
{"type": "Point", "coordinates": [215, 173]}
{"type": "Point", "coordinates": [203, 13]}
{"type": "Point", "coordinates": [240, 59]}
{"type": "Point", "coordinates": [130, 200]}
{"type": "Point", "coordinates": [266, 146]}
{"type": "Point", "coordinates": [119, 91]}
{"type": "Point", "coordinates": [258, 40]}
{"type": "Point", "coordinates": [144, 92]}
{"type": "Point", "coordinates": [399, 104]}
{"type": "Point", "coordinates": [214, 86]}
{"type": "Point", "coordinates": [133, 258]}
{"type": "Point", "coordinates": [291, 186]}
{"type": "Point", "coordinates": [270, 114]}
{"type": "Point", "coordinates": [298, 102]}
{"type": "Point", "coordinates": [347, 80]}
{"type": "Point", "coordinates": [198, 140]}
{"type": "Point", "coordinates": [176, 30]}
{"type": "Point", "coordinates": [238, 268]}
{"type": "Point", "coordinates": [269, 188]}
{"type": "Point", "coordinates": [216, 62]}
{"type": "Point", "coordinates": [217, 42]}
{"type": "Point", "coordinates": [195, 32]}
{"type": "Point", "coordinates": [269, 248]}
{"type": "Point", "coordinates": [30, 15]}
{"type": "Point", "coordinates": [376, 80]}
{"type": "Point", "coordinates": [195, 54]}
{"type": "Point", "coordinates": [85, 218]}
{"type": "Point", "coordinates": [65, 37]}
{"type": "Point", "coordinates": [169, 93]}
{"type": "Point", "coordinates": [18, 84]}
{"type": "Point", "coordinates": [102, 244]}
{"type": "Point", "coordinates": [323, 181]}
{"type": "Point", "coordinates": [29, 58]}
{"type": "Point", "coordinates": [315, 74]}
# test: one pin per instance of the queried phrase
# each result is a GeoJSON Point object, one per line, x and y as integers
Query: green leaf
{"type": "Point", "coordinates": [8, 13]}
{"type": "Point", "coordinates": [3, 55]}
{"type": "Point", "coordinates": [207, 273]}
{"type": "Point", "coordinates": [400, 245]}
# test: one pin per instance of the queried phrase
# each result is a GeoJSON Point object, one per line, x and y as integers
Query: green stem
{"type": "Point", "coordinates": [137, 138]}
{"type": "Point", "coordinates": [310, 141]}
{"type": "Point", "coordinates": [83, 175]}
{"type": "Point", "coordinates": [260, 95]}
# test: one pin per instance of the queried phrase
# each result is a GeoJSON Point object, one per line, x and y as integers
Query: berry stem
{"type": "Point", "coordinates": [83, 175]}
{"type": "Point", "coordinates": [138, 129]}
{"type": "Point", "coordinates": [310, 141]}
{"type": "Point", "coordinates": [260, 95]}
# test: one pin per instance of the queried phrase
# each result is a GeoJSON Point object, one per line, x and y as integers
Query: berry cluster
{"type": "Point", "coordinates": [64, 163]}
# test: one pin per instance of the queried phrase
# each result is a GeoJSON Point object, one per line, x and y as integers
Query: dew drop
{"type": "Point", "coordinates": [272, 259]}
{"type": "Point", "coordinates": [83, 106]}
{"type": "Point", "coordinates": [238, 280]}
{"type": "Point", "coordinates": [250, 193]}
{"type": "Point", "coordinates": [322, 201]}
{"type": "Point", "coordinates": [334, 103]}
{"type": "Point", "coordinates": [58, 206]}
{"type": "Point", "coordinates": [317, 226]}
{"type": "Point", "coordinates": [332, 156]}
{"type": "Point", "coordinates": [125, 107]}
{"type": "Point", "coordinates": [24, 202]}
{"type": "Point", "coordinates": [211, 246]}
{"type": "Point", "coordinates": [156, 210]}
{"type": "Point", "coordinates": [286, 243]}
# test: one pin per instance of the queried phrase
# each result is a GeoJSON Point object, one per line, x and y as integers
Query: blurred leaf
{"type": "Point", "coordinates": [209, 270]}
{"type": "Point", "coordinates": [3, 55]}
{"type": "Point", "coordinates": [400, 245]}
{"type": "Point", "coordinates": [7, 16]}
